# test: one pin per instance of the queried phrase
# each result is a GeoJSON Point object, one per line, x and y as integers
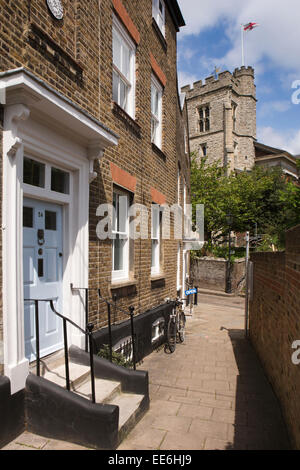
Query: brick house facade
{"type": "Point", "coordinates": [78, 104]}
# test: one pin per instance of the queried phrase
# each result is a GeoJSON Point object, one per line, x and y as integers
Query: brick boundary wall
{"type": "Point", "coordinates": [275, 324]}
{"type": "Point", "coordinates": [211, 273]}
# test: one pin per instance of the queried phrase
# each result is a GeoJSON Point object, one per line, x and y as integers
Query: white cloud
{"type": "Point", "coordinates": [287, 141]}
{"type": "Point", "coordinates": [185, 78]}
{"type": "Point", "coordinates": [276, 40]}
{"type": "Point", "coordinates": [277, 106]}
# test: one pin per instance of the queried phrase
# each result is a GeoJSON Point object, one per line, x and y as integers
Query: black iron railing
{"type": "Point", "coordinates": [111, 306]}
{"type": "Point", "coordinates": [87, 332]}
{"type": "Point", "coordinates": [114, 305]}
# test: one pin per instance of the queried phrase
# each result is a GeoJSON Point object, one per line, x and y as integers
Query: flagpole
{"type": "Point", "coordinates": [243, 49]}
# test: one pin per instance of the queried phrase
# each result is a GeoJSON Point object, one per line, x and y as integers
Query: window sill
{"type": "Point", "coordinates": [123, 283]}
{"type": "Point", "coordinates": [160, 35]}
{"type": "Point", "coordinates": [159, 152]}
{"type": "Point", "coordinates": [130, 123]}
{"type": "Point", "coordinates": [157, 277]}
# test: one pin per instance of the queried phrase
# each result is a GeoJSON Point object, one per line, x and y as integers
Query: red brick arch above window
{"type": "Point", "coordinates": [157, 197]}
{"type": "Point", "coordinates": [157, 70]}
{"type": "Point", "coordinates": [126, 20]}
{"type": "Point", "coordinates": [122, 178]}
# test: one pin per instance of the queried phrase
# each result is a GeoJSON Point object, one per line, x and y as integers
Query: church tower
{"type": "Point", "coordinates": [222, 118]}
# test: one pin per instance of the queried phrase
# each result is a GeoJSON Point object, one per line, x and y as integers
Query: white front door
{"type": "Point", "coordinates": [42, 272]}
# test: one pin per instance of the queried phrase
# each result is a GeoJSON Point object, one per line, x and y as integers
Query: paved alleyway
{"type": "Point", "coordinates": [210, 394]}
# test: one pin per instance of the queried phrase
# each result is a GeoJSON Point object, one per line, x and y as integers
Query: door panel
{"type": "Point", "coordinates": [28, 255]}
{"type": "Point", "coordinates": [42, 268]}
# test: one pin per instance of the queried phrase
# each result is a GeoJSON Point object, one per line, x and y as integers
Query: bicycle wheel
{"type": "Point", "coordinates": [181, 330]}
{"type": "Point", "coordinates": [171, 334]}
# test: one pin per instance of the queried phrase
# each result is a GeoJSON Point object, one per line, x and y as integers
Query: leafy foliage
{"type": "Point", "coordinates": [263, 196]}
{"type": "Point", "coordinates": [219, 251]}
{"type": "Point", "coordinates": [117, 358]}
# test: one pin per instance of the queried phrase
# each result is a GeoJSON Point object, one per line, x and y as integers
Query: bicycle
{"type": "Point", "coordinates": [176, 326]}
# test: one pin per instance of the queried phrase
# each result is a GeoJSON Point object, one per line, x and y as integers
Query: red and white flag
{"type": "Point", "coordinates": [250, 26]}
{"type": "Point", "coordinates": [245, 28]}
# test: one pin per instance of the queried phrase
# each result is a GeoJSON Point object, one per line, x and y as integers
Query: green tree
{"type": "Point", "coordinates": [262, 196]}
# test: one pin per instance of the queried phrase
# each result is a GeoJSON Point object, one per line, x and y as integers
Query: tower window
{"type": "Point", "coordinates": [234, 108]}
{"type": "Point", "coordinates": [203, 150]}
{"type": "Point", "coordinates": [204, 119]}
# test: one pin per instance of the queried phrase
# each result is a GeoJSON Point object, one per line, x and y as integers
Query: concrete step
{"type": "Point", "coordinates": [128, 404]}
{"type": "Point", "coordinates": [49, 362]}
{"type": "Point", "coordinates": [77, 373]}
{"type": "Point", "coordinates": [106, 390]}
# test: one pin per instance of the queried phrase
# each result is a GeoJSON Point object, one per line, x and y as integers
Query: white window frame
{"type": "Point", "coordinates": [159, 16]}
{"type": "Point", "coordinates": [121, 274]}
{"type": "Point", "coordinates": [155, 237]}
{"type": "Point", "coordinates": [45, 191]}
{"type": "Point", "coordinates": [121, 35]}
{"type": "Point", "coordinates": [156, 120]}
{"type": "Point", "coordinates": [157, 330]}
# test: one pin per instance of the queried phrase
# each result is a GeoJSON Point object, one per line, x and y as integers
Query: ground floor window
{"type": "Point", "coordinates": [155, 238]}
{"type": "Point", "coordinates": [120, 243]}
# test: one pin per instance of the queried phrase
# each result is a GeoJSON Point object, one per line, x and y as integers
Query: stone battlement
{"type": "Point", "coordinates": [224, 79]}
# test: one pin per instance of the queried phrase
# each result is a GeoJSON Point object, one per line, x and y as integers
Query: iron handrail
{"type": "Point", "coordinates": [109, 306]}
{"type": "Point", "coordinates": [88, 333]}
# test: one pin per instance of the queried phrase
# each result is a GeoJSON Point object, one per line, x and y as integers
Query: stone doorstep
{"type": "Point", "coordinates": [49, 362]}
{"type": "Point", "coordinates": [107, 391]}
{"type": "Point", "coordinates": [77, 373]}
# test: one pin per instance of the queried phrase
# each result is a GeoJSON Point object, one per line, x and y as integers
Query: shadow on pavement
{"type": "Point", "coordinates": [259, 424]}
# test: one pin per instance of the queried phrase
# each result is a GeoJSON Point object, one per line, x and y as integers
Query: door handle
{"type": "Point", "coordinates": [40, 236]}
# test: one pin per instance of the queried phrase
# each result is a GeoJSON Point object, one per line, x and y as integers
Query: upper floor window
{"type": "Point", "coordinates": [159, 14]}
{"type": "Point", "coordinates": [120, 230]}
{"type": "Point", "coordinates": [204, 118]}
{"type": "Point", "coordinates": [156, 112]}
{"type": "Point", "coordinates": [123, 69]}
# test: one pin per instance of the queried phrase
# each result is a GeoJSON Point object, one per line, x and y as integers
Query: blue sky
{"type": "Point", "coordinates": [212, 37]}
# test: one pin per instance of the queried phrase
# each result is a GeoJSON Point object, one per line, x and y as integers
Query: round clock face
{"type": "Point", "coordinates": [56, 8]}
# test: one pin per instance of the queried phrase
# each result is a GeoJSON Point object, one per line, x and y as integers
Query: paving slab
{"type": "Point", "coordinates": [210, 394]}
{"type": "Point", "coordinates": [218, 382]}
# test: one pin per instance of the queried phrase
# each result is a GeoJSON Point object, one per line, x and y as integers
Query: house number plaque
{"type": "Point", "coordinates": [56, 8]}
